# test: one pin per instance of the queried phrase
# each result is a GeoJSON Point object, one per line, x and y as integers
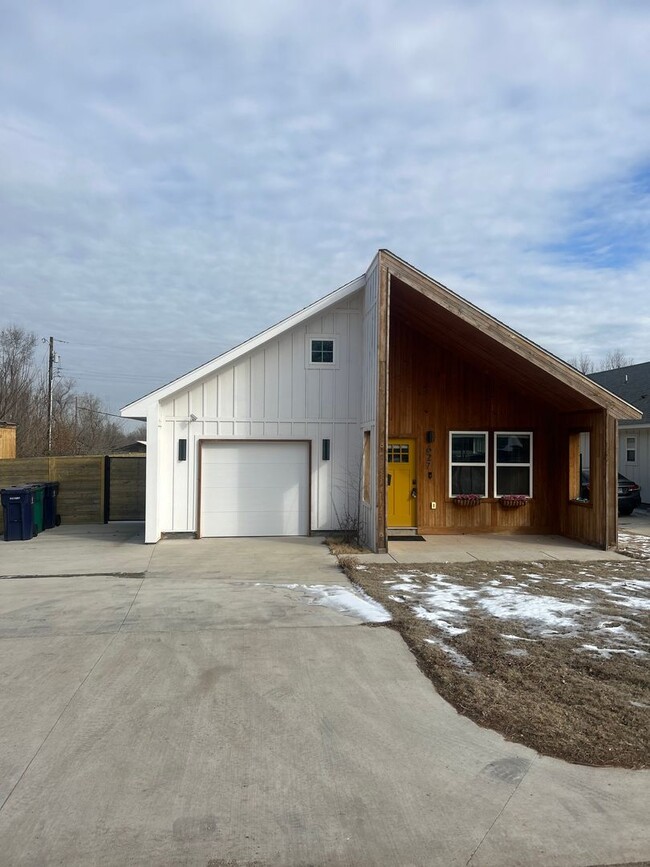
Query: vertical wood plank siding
{"type": "Point", "coordinates": [594, 523]}
{"type": "Point", "coordinates": [433, 389]}
{"type": "Point", "coordinates": [273, 393]}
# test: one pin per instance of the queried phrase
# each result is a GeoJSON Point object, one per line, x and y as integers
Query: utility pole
{"type": "Point", "coordinates": [50, 396]}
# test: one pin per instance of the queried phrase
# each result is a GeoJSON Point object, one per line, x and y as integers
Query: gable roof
{"type": "Point", "coordinates": [482, 338]}
{"type": "Point", "coordinates": [138, 407]}
{"type": "Point", "coordinates": [631, 383]}
{"type": "Point", "coordinates": [464, 326]}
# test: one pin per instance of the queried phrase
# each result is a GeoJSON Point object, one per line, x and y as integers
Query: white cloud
{"type": "Point", "coordinates": [242, 159]}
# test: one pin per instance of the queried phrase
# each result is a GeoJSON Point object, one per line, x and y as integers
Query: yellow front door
{"type": "Point", "coordinates": [401, 483]}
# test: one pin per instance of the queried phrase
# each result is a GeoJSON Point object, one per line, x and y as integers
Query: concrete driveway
{"type": "Point", "coordinates": [197, 708]}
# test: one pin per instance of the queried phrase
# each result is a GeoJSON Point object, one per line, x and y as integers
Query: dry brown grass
{"type": "Point", "coordinates": [340, 548]}
{"type": "Point", "coordinates": [545, 691]}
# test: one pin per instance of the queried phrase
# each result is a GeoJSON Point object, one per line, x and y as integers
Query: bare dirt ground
{"type": "Point", "coordinates": [553, 655]}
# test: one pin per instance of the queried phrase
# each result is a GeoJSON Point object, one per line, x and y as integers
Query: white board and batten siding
{"type": "Point", "coordinates": [273, 394]}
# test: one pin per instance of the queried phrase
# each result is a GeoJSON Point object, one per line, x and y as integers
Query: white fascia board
{"type": "Point", "coordinates": [139, 407]}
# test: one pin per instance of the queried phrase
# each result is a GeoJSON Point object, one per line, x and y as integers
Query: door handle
{"type": "Point", "coordinates": [389, 478]}
{"type": "Point", "coordinates": [414, 492]}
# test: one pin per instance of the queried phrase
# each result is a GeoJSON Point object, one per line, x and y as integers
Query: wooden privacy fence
{"type": "Point", "coordinates": [93, 489]}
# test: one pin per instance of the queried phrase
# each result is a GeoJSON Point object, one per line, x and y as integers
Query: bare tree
{"type": "Point", "coordinates": [80, 425]}
{"type": "Point", "coordinates": [616, 358]}
{"type": "Point", "coordinates": [582, 362]}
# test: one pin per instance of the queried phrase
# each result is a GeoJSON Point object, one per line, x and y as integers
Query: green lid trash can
{"type": "Point", "coordinates": [38, 518]}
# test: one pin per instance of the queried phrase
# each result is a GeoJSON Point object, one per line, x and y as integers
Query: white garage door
{"type": "Point", "coordinates": [255, 489]}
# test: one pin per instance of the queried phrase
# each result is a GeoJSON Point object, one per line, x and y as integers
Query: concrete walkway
{"type": "Point", "coordinates": [203, 711]}
{"type": "Point", "coordinates": [500, 547]}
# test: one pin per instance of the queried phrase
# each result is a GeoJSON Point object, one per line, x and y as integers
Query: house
{"type": "Point", "coordinates": [7, 440]}
{"type": "Point", "coordinates": [137, 447]}
{"type": "Point", "coordinates": [632, 384]}
{"type": "Point", "coordinates": [384, 401]}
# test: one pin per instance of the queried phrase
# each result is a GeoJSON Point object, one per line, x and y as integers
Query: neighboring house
{"type": "Point", "coordinates": [138, 447]}
{"type": "Point", "coordinates": [383, 401]}
{"type": "Point", "coordinates": [7, 440]}
{"type": "Point", "coordinates": [632, 384]}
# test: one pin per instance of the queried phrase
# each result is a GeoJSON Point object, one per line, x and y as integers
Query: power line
{"type": "Point", "coordinates": [101, 412]}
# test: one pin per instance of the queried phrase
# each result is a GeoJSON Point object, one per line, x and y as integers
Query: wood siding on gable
{"type": "Point", "coordinates": [274, 393]}
{"type": "Point", "coordinates": [434, 389]}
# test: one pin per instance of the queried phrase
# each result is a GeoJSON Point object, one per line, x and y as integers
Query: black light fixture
{"type": "Point", "coordinates": [326, 450]}
{"type": "Point", "coordinates": [182, 450]}
{"type": "Point", "coordinates": [430, 436]}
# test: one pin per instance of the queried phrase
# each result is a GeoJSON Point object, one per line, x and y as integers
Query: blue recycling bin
{"type": "Point", "coordinates": [17, 503]}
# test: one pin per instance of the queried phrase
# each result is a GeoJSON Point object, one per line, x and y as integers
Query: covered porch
{"type": "Point", "coordinates": [488, 437]}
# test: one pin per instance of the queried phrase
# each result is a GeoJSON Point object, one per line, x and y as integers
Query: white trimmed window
{"type": "Point", "coordinates": [513, 463]}
{"type": "Point", "coordinates": [468, 463]}
{"type": "Point", "coordinates": [321, 351]}
{"type": "Point", "coordinates": [630, 450]}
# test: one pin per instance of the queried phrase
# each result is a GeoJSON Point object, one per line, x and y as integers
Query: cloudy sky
{"type": "Point", "coordinates": [177, 176]}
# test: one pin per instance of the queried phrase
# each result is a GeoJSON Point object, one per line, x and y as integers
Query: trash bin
{"type": "Point", "coordinates": [38, 490]}
{"type": "Point", "coordinates": [50, 517]}
{"type": "Point", "coordinates": [17, 503]}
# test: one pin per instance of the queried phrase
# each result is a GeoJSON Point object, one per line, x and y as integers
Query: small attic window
{"type": "Point", "coordinates": [321, 351]}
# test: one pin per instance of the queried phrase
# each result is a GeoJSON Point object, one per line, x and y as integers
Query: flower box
{"type": "Point", "coordinates": [513, 501]}
{"type": "Point", "coordinates": [467, 500]}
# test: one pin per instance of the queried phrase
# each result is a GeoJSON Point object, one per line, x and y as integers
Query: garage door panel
{"type": "Point", "coordinates": [255, 489]}
{"type": "Point", "coordinates": [232, 477]}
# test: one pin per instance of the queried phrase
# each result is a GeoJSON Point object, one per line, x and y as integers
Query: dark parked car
{"type": "Point", "coordinates": [629, 493]}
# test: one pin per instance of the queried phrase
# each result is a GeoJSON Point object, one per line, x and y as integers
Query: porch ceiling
{"type": "Point", "coordinates": [487, 352]}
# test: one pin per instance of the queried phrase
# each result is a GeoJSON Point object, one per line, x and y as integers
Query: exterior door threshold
{"type": "Point", "coordinates": [402, 531]}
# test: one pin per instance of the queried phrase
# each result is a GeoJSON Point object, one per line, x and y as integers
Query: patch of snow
{"type": "Point", "coordinates": [642, 704]}
{"type": "Point", "coordinates": [508, 577]}
{"type": "Point", "coordinates": [515, 637]}
{"type": "Point", "coordinates": [361, 568]}
{"type": "Point", "coordinates": [347, 601]}
{"type": "Point", "coordinates": [343, 599]}
{"type": "Point", "coordinates": [607, 652]}
{"type": "Point", "coordinates": [616, 589]}
{"type": "Point", "coordinates": [459, 658]}
{"type": "Point", "coordinates": [511, 604]}
{"type": "Point", "coordinates": [618, 630]}
{"type": "Point", "coordinates": [517, 651]}
{"type": "Point", "coordinates": [407, 588]}
{"type": "Point", "coordinates": [440, 622]}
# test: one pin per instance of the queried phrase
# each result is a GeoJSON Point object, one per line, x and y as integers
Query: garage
{"type": "Point", "coordinates": [254, 488]}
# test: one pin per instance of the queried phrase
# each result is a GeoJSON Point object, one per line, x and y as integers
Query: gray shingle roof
{"type": "Point", "coordinates": [632, 383]}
